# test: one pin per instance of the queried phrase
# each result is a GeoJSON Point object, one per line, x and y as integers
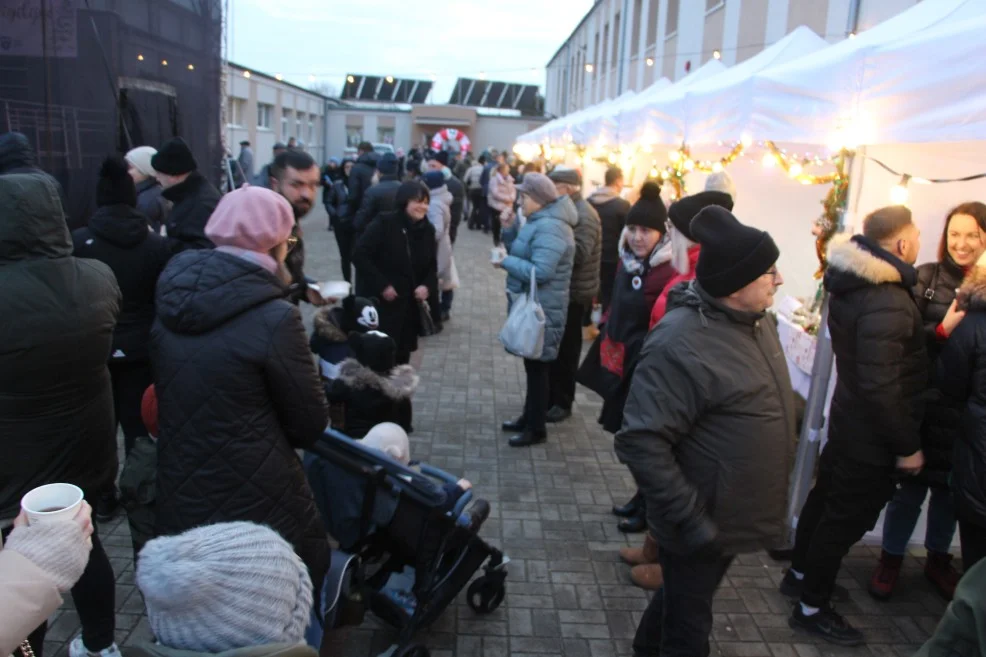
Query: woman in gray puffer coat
{"type": "Point", "coordinates": [546, 246]}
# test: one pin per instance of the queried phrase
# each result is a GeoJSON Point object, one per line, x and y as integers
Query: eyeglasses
{"type": "Point", "coordinates": [773, 273]}
{"type": "Point", "coordinates": [292, 242]}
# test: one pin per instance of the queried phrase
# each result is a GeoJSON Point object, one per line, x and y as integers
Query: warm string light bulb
{"type": "Point", "coordinates": [654, 173]}
{"type": "Point", "coordinates": [689, 164]}
{"type": "Point", "coordinates": [650, 61]}
{"type": "Point", "coordinates": [588, 68]}
{"type": "Point", "coordinates": [769, 160]}
{"type": "Point", "coordinates": [716, 54]}
{"type": "Point", "coordinates": [899, 194]}
{"type": "Point", "coordinates": [674, 156]}
{"type": "Point", "coordinates": [795, 170]}
{"type": "Point", "coordinates": [612, 158]}
{"type": "Point", "coordinates": [717, 167]}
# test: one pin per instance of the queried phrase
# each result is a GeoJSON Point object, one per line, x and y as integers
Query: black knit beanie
{"type": "Point", "coordinates": [174, 158]}
{"type": "Point", "coordinates": [115, 186]}
{"type": "Point", "coordinates": [684, 210]}
{"type": "Point", "coordinates": [732, 255]}
{"type": "Point", "coordinates": [649, 210]}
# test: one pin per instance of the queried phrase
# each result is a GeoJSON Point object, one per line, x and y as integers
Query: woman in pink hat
{"type": "Point", "coordinates": [237, 389]}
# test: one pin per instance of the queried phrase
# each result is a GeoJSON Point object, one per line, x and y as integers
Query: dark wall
{"type": "Point", "coordinates": [77, 109]}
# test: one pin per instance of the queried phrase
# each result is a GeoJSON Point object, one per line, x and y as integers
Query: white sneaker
{"type": "Point", "coordinates": [78, 649]}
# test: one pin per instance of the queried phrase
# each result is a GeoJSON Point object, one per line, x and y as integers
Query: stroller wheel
{"type": "Point", "coordinates": [486, 594]}
{"type": "Point", "coordinates": [414, 650]}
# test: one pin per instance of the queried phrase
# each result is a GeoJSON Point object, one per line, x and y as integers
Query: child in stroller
{"type": "Point", "coordinates": [331, 328]}
{"type": "Point", "coordinates": [417, 545]}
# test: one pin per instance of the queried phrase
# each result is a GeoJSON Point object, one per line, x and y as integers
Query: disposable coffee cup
{"type": "Point", "coordinates": [52, 503]}
{"type": "Point", "coordinates": [497, 254]}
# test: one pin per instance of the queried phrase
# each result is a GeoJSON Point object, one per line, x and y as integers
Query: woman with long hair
{"type": "Point", "coordinates": [963, 241]}
{"type": "Point", "coordinates": [396, 262]}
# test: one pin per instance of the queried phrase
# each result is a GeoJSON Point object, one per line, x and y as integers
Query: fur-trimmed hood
{"type": "Point", "coordinates": [855, 261]}
{"type": "Point", "coordinates": [400, 383]}
{"type": "Point", "coordinates": [327, 324]}
{"type": "Point", "coordinates": [661, 253]}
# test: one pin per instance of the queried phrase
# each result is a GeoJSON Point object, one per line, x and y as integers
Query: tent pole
{"type": "Point", "coordinates": [814, 425]}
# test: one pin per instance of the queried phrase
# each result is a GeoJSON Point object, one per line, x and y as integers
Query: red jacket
{"type": "Point", "coordinates": [661, 305]}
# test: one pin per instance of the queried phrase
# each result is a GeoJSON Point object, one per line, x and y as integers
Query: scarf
{"type": "Point", "coordinates": [637, 266]}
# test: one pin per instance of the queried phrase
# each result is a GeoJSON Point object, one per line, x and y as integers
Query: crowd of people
{"type": "Point", "coordinates": [174, 315]}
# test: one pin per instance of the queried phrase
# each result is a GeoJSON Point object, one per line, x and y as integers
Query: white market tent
{"type": "Point", "coordinates": [600, 125]}
{"type": "Point", "coordinates": [868, 90]}
{"type": "Point", "coordinates": [637, 120]}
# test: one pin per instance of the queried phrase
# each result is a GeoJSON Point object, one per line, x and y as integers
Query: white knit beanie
{"type": "Point", "coordinates": [224, 586]}
{"type": "Point", "coordinates": [140, 158]}
{"type": "Point", "coordinates": [721, 182]}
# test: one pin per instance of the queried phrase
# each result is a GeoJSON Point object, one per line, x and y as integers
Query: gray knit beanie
{"type": "Point", "coordinates": [224, 586]}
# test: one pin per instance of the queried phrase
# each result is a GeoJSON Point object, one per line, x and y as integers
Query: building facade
{"type": "Point", "coordinates": [627, 45]}
{"type": "Point", "coordinates": [264, 110]}
{"type": "Point", "coordinates": [407, 126]}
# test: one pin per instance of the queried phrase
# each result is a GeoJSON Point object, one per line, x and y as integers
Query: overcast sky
{"type": "Point", "coordinates": [509, 40]}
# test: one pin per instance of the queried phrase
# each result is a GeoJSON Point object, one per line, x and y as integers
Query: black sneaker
{"type": "Point", "coordinates": [106, 507]}
{"type": "Point", "coordinates": [791, 587]}
{"type": "Point", "coordinates": [828, 625]}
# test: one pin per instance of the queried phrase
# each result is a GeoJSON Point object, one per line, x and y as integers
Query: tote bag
{"type": "Point", "coordinates": [523, 332]}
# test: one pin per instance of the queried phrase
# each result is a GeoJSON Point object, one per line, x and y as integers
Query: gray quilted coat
{"type": "Point", "coordinates": [545, 244]}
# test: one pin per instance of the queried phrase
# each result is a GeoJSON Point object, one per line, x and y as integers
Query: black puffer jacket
{"type": "Point", "coordinates": [119, 236]}
{"type": "Point", "coordinates": [882, 362]}
{"type": "Point", "coordinates": [394, 250]}
{"type": "Point", "coordinates": [612, 211]}
{"type": "Point", "coordinates": [934, 293]}
{"type": "Point", "coordinates": [708, 428]}
{"type": "Point", "coordinates": [194, 200]}
{"type": "Point", "coordinates": [56, 402]}
{"type": "Point", "coordinates": [360, 180]}
{"type": "Point", "coordinates": [961, 376]}
{"type": "Point", "coordinates": [237, 394]}
{"type": "Point", "coordinates": [458, 193]}
{"type": "Point", "coordinates": [151, 204]}
{"type": "Point", "coordinates": [377, 200]}
{"type": "Point", "coordinates": [362, 398]}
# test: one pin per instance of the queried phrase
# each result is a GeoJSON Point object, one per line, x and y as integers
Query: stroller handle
{"type": "Point", "coordinates": [432, 471]}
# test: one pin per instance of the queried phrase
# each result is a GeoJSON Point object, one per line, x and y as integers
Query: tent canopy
{"type": "Point", "coordinates": [838, 96]}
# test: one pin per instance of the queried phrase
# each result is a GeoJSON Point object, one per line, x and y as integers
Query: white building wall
{"type": "Point", "coordinates": [687, 45]}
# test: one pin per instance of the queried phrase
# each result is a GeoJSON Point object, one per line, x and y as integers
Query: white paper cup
{"type": "Point", "coordinates": [497, 254]}
{"type": "Point", "coordinates": [52, 503]}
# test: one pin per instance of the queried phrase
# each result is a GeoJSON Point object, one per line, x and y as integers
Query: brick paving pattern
{"type": "Point", "coordinates": [567, 592]}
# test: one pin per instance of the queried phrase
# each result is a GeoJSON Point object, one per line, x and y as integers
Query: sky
{"type": "Point", "coordinates": [509, 40]}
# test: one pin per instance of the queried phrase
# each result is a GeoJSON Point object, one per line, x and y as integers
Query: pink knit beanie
{"type": "Point", "coordinates": [251, 218]}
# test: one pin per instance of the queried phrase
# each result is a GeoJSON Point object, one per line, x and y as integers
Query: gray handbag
{"type": "Point", "coordinates": [523, 332]}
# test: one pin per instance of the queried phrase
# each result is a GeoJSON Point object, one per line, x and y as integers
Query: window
{"type": "Point", "coordinates": [385, 135]}
{"type": "Point", "coordinates": [353, 136]}
{"type": "Point", "coordinates": [311, 129]}
{"type": "Point", "coordinates": [713, 5]}
{"type": "Point", "coordinates": [264, 113]}
{"type": "Point", "coordinates": [635, 30]}
{"type": "Point", "coordinates": [235, 111]}
{"type": "Point", "coordinates": [671, 26]}
{"type": "Point", "coordinates": [285, 123]}
{"type": "Point", "coordinates": [298, 120]}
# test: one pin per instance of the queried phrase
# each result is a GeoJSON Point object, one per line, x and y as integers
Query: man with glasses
{"type": "Point", "coordinates": [875, 418]}
{"type": "Point", "coordinates": [708, 429]}
{"type": "Point", "coordinates": [295, 176]}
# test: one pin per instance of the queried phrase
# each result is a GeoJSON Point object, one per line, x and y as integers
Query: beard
{"type": "Point", "coordinates": [301, 210]}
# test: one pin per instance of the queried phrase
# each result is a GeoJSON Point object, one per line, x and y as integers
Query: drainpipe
{"type": "Point", "coordinates": [852, 21]}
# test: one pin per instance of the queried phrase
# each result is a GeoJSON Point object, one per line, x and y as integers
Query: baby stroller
{"type": "Point", "coordinates": [403, 554]}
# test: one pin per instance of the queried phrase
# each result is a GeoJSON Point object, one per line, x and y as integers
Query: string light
{"type": "Point", "coordinates": [674, 156]}
{"type": "Point", "coordinates": [654, 173]}
{"type": "Point", "coordinates": [246, 74]}
{"type": "Point", "coordinates": [716, 54]}
{"type": "Point", "coordinates": [899, 194]}
{"type": "Point", "coordinates": [769, 160]}
{"type": "Point", "coordinates": [140, 58]}
{"type": "Point", "coordinates": [612, 158]}
{"type": "Point", "coordinates": [746, 139]}
{"type": "Point", "coordinates": [650, 61]}
{"type": "Point", "coordinates": [482, 75]}
{"type": "Point", "coordinates": [588, 68]}
{"type": "Point", "coordinates": [278, 77]}
{"type": "Point", "coordinates": [191, 67]}
{"type": "Point", "coordinates": [390, 79]}
{"type": "Point", "coordinates": [350, 79]}
{"type": "Point", "coordinates": [717, 167]}
{"type": "Point", "coordinates": [795, 170]}
{"type": "Point", "coordinates": [164, 62]}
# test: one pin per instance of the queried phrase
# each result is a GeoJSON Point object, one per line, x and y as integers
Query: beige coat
{"type": "Point", "coordinates": [29, 598]}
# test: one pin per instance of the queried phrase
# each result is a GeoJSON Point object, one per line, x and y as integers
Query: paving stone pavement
{"type": "Point", "coordinates": [567, 592]}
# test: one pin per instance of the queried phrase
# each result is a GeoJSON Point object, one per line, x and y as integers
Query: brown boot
{"type": "Point", "coordinates": [940, 571]}
{"type": "Point", "coordinates": [649, 576]}
{"type": "Point", "coordinates": [641, 555]}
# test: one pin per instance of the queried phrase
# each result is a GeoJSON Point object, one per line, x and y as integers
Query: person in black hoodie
{"type": "Point", "coordinates": [237, 390]}
{"type": "Point", "coordinates": [397, 262]}
{"type": "Point", "coordinates": [193, 196]}
{"type": "Point", "coordinates": [120, 236]}
{"type": "Point", "coordinates": [361, 177]}
{"type": "Point", "coordinates": [612, 211]}
{"type": "Point", "coordinates": [876, 412]}
{"type": "Point", "coordinates": [962, 242]}
{"type": "Point", "coordinates": [379, 198]}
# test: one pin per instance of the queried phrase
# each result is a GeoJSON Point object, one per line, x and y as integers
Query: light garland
{"type": "Point", "coordinates": [682, 164]}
